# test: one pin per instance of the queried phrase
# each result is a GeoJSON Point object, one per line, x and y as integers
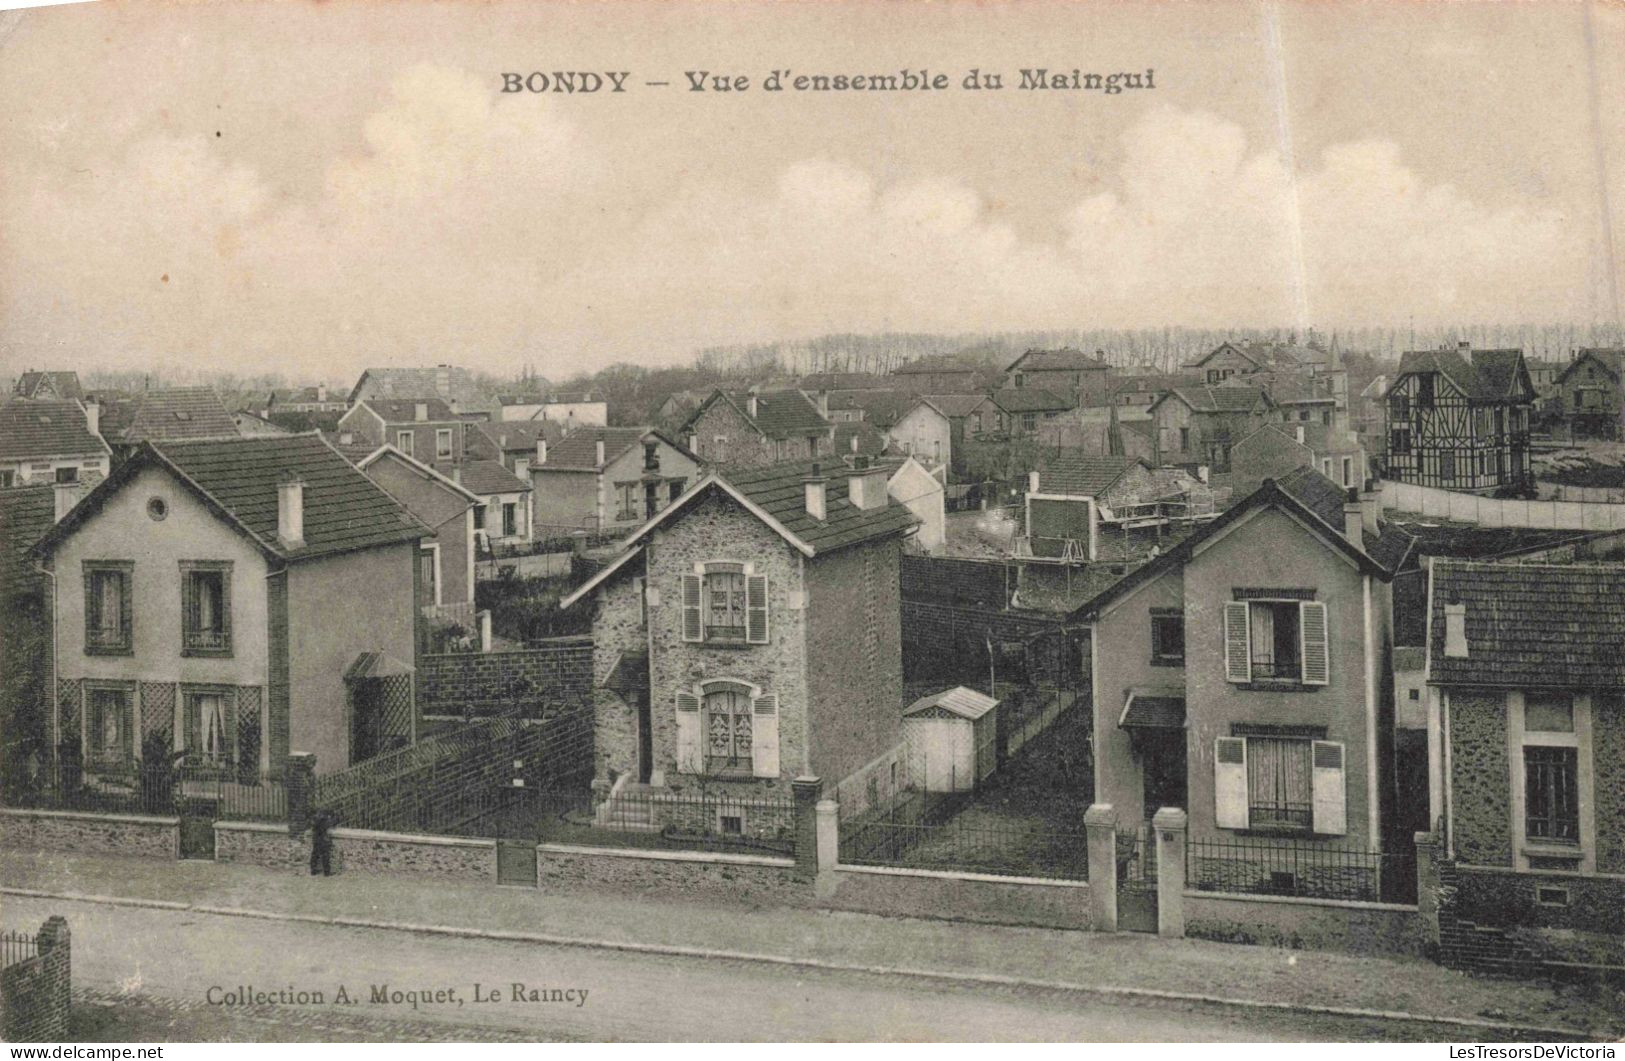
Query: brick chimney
{"type": "Point", "coordinates": [598, 453]}
{"type": "Point", "coordinates": [866, 486]}
{"type": "Point", "coordinates": [1455, 631]}
{"type": "Point", "coordinates": [1353, 518]}
{"type": "Point", "coordinates": [815, 490]}
{"type": "Point", "coordinates": [290, 512]}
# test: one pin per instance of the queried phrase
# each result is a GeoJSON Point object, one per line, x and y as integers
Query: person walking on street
{"type": "Point", "coordinates": [321, 842]}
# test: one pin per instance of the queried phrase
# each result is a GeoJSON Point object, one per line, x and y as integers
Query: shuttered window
{"type": "Point", "coordinates": [110, 726]}
{"type": "Point", "coordinates": [690, 742]}
{"type": "Point", "coordinates": [726, 604]}
{"type": "Point", "coordinates": [765, 736]}
{"type": "Point", "coordinates": [1280, 784]}
{"type": "Point", "coordinates": [1276, 641]}
{"type": "Point", "coordinates": [1230, 783]}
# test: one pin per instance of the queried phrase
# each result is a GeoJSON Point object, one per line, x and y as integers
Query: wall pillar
{"type": "Point", "coordinates": [807, 791]}
{"type": "Point", "coordinates": [1428, 850]}
{"type": "Point", "coordinates": [1100, 824]}
{"type": "Point", "coordinates": [1170, 825]}
{"type": "Point", "coordinates": [829, 845]}
{"type": "Point", "coordinates": [299, 778]}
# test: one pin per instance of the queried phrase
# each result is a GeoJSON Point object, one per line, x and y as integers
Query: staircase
{"type": "Point", "coordinates": [629, 808]}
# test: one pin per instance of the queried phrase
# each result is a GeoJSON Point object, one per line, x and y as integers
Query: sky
{"type": "Point", "coordinates": [310, 188]}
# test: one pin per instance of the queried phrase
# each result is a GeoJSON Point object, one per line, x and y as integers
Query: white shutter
{"type": "Point", "coordinates": [764, 736]}
{"type": "Point", "coordinates": [690, 735]}
{"type": "Point", "coordinates": [1312, 629]}
{"type": "Point", "coordinates": [756, 609]}
{"type": "Point", "coordinates": [1238, 646]}
{"type": "Point", "coordinates": [693, 617]}
{"type": "Point", "coordinates": [1230, 783]}
{"type": "Point", "coordinates": [1331, 813]}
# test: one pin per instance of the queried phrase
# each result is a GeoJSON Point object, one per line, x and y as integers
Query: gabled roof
{"type": "Point", "coordinates": [1250, 355]}
{"type": "Point", "coordinates": [1490, 375]}
{"type": "Point", "coordinates": [934, 363]}
{"type": "Point", "coordinates": [405, 410]}
{"type": "Point", "coordinates": [955, 406]}
{"type": "Point", "coordinates": [41, 427]}
{"type": "Point", "coordinates": [1031, 400]}
{"type": "Point", "coordinates": [1081, 474]}
{"type": "Point", "coordinates": [960, 701]}
{"type": "Point", "coordinates": [63, 385]}
{"type": "Point", "coordinates": [429, 472]}
{"type": "Point", "coordinates": [484, 477]}
{"type": "Point", "coordinates": [178, 413]}
{"type": "Point", "coordinates": [419, 383]}
{"type": "Point", "coordinates": [882, 408]}
{"type": "Point", "coordinates": [578, 450]}
{"type": "Point", "coordinates": [495, 437]}
{"type": "Point", "coordinates": [843, 381]}
{"type": "Point", "coordinates": [1066, 359]}
{"type": "Point", "coordinates": [1530, 625]}
{"type": "Point", "coordinates": [775, 494]}
{"type": "Point", "coordinates": [870, 440]}
{"type": "Point", "coordinates": [1226, 399]}
{"type": "Point", "coordinates": [238, 478]}
{"type": "Point", "coordinates": [779, 414]}
{"type": "Point", "coordinates": [26, 513]}
{"type": "Point", "coordinates": [1304, 493]}
{"type": "Point", "coordinates": [1608, 359]}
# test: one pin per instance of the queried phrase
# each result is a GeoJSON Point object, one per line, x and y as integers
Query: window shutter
{"type": "Point", "coordinates": [194, 725]}
{"type": "Point", "coordinates": [1312, 628]}
{"type": "Point", "coordinates": [690, 746]}
{"type": "Point", "coordinates": [1238, 648]}
{"type": "Point", "coordinates": [764, 736]}
{"type": "Point", "coordinates": [756, 610]}
{"type": "Point", "coordinates": [693, 617]}
{"type": "Point", "coordinates": [1230, 782]}
{"type": "Point", "coordinates": [228, 706]}
{"type": "Point", "coordinates": [1330, 807]}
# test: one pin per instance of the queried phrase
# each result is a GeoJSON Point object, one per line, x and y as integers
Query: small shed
{"type": "Point", "coordinates": [952, 739]}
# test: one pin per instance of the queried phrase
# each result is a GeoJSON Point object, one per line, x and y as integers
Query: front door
{"type": "Point", "coordinates": [1162, 761]}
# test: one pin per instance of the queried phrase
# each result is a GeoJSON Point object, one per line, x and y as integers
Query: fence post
{"type": "Point", "coordinates": [829, 845]}
{"type": "Point", "coordinates": [1170, 825]}
{"type": "Point", "coordinates": [1100, 823]}
{"type": "Point", "coordinates": [1427, 890]}
{"type": "Point", "coordinates": [807, 790]}
{"type": "Point", "coordinates": [56, 958]}
{"type": "Point", "coordinates": [299, 777]}
{"type": "Point", "coordinates": [485, 630]}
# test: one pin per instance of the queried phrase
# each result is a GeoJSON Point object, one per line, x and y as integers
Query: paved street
{"type": "Point", "coordinates": [179, 956]}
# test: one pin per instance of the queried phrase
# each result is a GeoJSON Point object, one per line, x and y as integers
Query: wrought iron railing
{"type": "Point", "coordinates": [17, 947]}
{"type": "Point", "coordinates": [1301, 868]}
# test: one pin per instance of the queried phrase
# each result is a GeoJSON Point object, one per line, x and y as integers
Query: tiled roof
{"type": "Point", "coordinates": [483, 477]}
{"type": "Point", "coordinates": [1066, 359]}
{"type": "Point", "coordinates": [779, 414]}
{"type": "Point", "coordinates": [955, 406]}
{"type": "Point", "coordinates": [405, 410]}
{"type": "Point", "coordinates": [1081, 474]}
{"type": "Point", "coordinates": [871, 442]}
{"type": "Point", "coordinates": [64, 385]}
{"type": "Point", "coordinates": [1153, 709]}
{"type": "Point", "coordinates": [1531, 625]}
{"type": "Point", "coordinates": [1490, 375]}
{"type": "Point", "coordinates": [238, 478]}
{"type": "Point", "coordinates": [418, 383]}
{"type": "Point", "coordinates": [843, 381]}
{"type": "Point", "coordinates": [1325, 499]}
{"type": "Point", "coordinates": [1229, 399]}
{"type": "Point", "coordinates": [578, 451]}
{"type": "Point", "coordinates": [38, 427]}
{"type": "Point", "coordinates": [178, 413]}
{"type": "Point", "coordinates": [934, 363]}
{"type": "Point", "coordinates": [778, 490]}
{"type": "Point", "coordinates": [26, 513]}
{"type": "Point", "coordinates": [1610, 359]}
{"type": "Point", "coordinates": [510, 436]}
{"type": "Point", "coordinates": [1152, 382]}
{"type": "Point", "coordinates": [882, 408]}
{"type": "Point", "coordinates": [1031, 400]}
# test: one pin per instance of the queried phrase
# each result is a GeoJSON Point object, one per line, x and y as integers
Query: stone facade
{"type": "Point", "coordinates": [642, 873]}
{"type": "Point", "coordinates": [127, 835]}
{"type": "Point", "coordinates": [1360, 928]}
{"type": "Point", "coordinates": [1480, 802]}
{"type": "Point", "coordinates": [721, 436]}
{"type": "Point", "coordinates": [358, 851]}
{"type": "Point", "coordinates": [1608, 766]}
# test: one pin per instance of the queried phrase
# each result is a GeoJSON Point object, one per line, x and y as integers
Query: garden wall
{"type": "Point", "coordinates": [358, 851]}
{"type": "Point", "coordinates": [1315, 924]}
{"type": "Point", "coordinates": [675, 874]}
{"type": "Point", "coordinates": [960, 897]}
{"type": "Point", "coordinates": [129, 835]}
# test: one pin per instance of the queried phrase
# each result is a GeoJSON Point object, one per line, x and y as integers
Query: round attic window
{"type": "Point", "coordinates": [157, 508]}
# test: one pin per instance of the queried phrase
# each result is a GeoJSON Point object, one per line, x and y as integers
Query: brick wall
{"type": "Point", "coordinates": [1480, 778]}
{"type": "Point", "coordinates": [558, 673]}
{"type": "Point", "coordinates": [935, 578]}
{"type": "Point", "coordinates": [129, 835]}
{"type": "Point", "coordinates": [1492, 921]}
{"type": "Point", "coordinates": [36, 994]}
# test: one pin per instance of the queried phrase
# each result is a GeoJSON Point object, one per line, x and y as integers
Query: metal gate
{"type": "Point", "coordinates": [515, 829]}
{"type": "Point", "coordinates": [197, 795]}
{"type": "Point", "coordinates": [1136, 882]}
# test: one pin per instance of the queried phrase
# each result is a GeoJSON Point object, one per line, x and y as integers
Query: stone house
{"type": "Point", "coordinates": [752, 429]}
{"type": "Point", "coordinates": [1526, 749]}
{"type": "Point", "coordinates": [1022, 412]}
{"type": "Point", "coordinates": [751, 634]}
{"type": "Point", "coordinates": [1588, 393]}
{"type": "Point", "coordinates": [1243, 675]}
{"type": "Point", "coordinates": [50, 441]}
{"type": "Point", "coordinates": [204, 599]}
{"type": "Point", "coordinates": [1086, 379]}
{"type": "Point", "coordinates": [446, 507]}
{"type": "Point", "coordinates": [926, 431]}
{"type": "Point", "coordinates": [1199, 425]}
{"type": "Point", "coordinates": [1275, 449]}
{"type": "Point", "coordinates": [608, 478]}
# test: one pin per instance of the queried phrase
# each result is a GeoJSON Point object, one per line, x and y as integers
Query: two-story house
{"type": "Point", "coordinates": [446, 507]}
{"type": "Point", "coordinates": [1013, 412]}
{"type": "Point", "coordinates": [939, 374]}
{"type": "Point", "coordinates": [231, 600]}
{"type": "Point", "coordinates": [1243, 675]}
{"type": "Point", "coordinates": [1199, 425]}
{"type": "Point", "coordinates": [1086, 379]}
{"type": "Point", "coordinates": [50, 441]}
{"type": "Point", "coordinates": [449, 383]}
{"type": "Point", "coordinates": [608, 478]}
{"type": "Point", "coordinates": [1588, 393]}
{"type": "Point", "coordinates": [762, 611]}
{"type": "Point", "coordinates": [755, 428]}
{"type": "Point", "coordinates": [62, 386]}
{"type": "Point", "coordinates": [1459, 419]}
{"type": "Point", "coordinates": [424, 429]}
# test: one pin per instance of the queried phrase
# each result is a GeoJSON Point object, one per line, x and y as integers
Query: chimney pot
{"type": "Point", "coordinates": [290, 512]}
{"type": "Point", "coordinates": [1464, 345]}
{"type": "Point", "coordinates": [866, 487]}
{"type": "Point", "coordinates": [1371, 507]}
{"type": "Point", "coordinates": [93, 416]}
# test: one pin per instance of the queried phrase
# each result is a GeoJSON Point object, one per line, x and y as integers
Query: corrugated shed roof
{"type": "Point", "coordinates": [1082, 474]}
{"type": "Point", "coordinates": [26, 513]}
{"type": "Point", "coordinates": [179, 413]}
{"type": "Point", "coordinates": [39, 427]}
{"type": "Point", "coordinates": [238, 478]}
{"type": "Point", "coordinates": [1531, 625]}
{"type": "Point", "coordinates": [966, 703]}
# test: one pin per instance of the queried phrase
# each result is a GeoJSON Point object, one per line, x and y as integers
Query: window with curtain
{"type": "Point", "coordinates": [108, 608]}
{"type": "Point", "coordinates": [206, 738]}
{"type": "Point", "coordinates": [1279, 783]}
{"type": "Point", "coordinates": [111, 727]}
{"type": "Point", "coordinates": [1275, 643]}
{"type": "Point", "coordinates": [1551, 794]}
{"type": "Point", "coordinates": [205, 609]}
{"type": "Point", "coordinates": [727, 732]}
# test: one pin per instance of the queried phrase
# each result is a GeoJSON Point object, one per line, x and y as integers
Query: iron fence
{"type": "Point", "coordinates": [17, 947]}
{"type": "Point", "coordinates": [192, 790]}
{"type": "Point", "coordinates": [1301, 869]}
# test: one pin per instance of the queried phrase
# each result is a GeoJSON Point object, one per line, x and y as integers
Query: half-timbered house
{"type": "Point", "coordinates": [1459, 419]}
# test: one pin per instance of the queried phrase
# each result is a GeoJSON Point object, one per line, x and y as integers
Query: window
{"type": "Point", "coordinates": [1348, 471]}
{"type": "Point", "coordinates": [442, 442]}
{"type": "Point", "coordinates": [1029, 422]}
{"type": "Point", "coordinates": [1274, 631]}
{"type": "Point", "coordinates": [1551, 794]}
{"type": "Point", "coordinates": [1167, 638]}
{"type": "Point", "coordinates": [205, 609]}
{"type": "Point", "coordinates": [68, 475]}
{"type": "Point", "coordinates": [1276, 641]}
{"type": "Point", "coordinates": [1447, 466]}
{"type": "Point", "coordinates": [1424, 391]}
{"type": "Point", "coordinates": [8, 477]}
{"type": "Point", "coordinates": [675, 489]}
{"type": "Point", "coordinates": [207, 738]}
{"type": "Point", "coordinates": [510, 519]}
{"type": "Point", "coordinates": [1280, 781]}
{"type": "Point", "coordinates": [725, 603]}
{"type": "Point", "coordinates": [626, 507]}
{"type": "Point", "coordinates": [479, 517]}
{"type": "Point", "coordinates": [107, 608]}
{"type": "Point", "coordinates": [1303, 415]}
{"type": "Point", "coordinates": [1279, 795]}
{"type": "Point", "coordinates": [1399, 440]}
{"type": "Point", "coordinates": [1184, 439]}
{"type": "Point", "coordinates": [1399, 407]}
{"type": "Point", "coordinates": [1326, 417]}
{"type": "Point", "coordinates": [727, 732]}
{"type": "Point", "coordinates": [111, 726]}
{"type": "Point", "coordinates": [403, 442]}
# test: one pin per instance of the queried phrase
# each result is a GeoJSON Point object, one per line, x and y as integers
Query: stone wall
{"type": "Point", "coordinates": [129, 835]}
{"type": "Point", "coordinates": [358, 851]}
{"type": "Point", "coordinates": [557, 672]}
{"type": "Point", "coordinates": [1503, 920]}
{"type": "Point", "coordinates": [1608, 779]}
{"type": "Point", "coordinates": [675, 874]}
{"type": "Point", "coordinates": [36, 993]}
{"type": "Point", "coordinates": [960, 897]}
{"type": "Point", "coordinates": [1480, 785]}
{"type": "Point", "coordinates": [1360, 928]}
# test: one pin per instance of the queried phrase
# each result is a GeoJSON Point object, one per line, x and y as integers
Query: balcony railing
{"type": "Point", "coordinates": [206, 640]}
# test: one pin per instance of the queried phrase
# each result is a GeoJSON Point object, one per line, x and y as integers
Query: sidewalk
{"type": "Point", "coordinates": [1044, 957]}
